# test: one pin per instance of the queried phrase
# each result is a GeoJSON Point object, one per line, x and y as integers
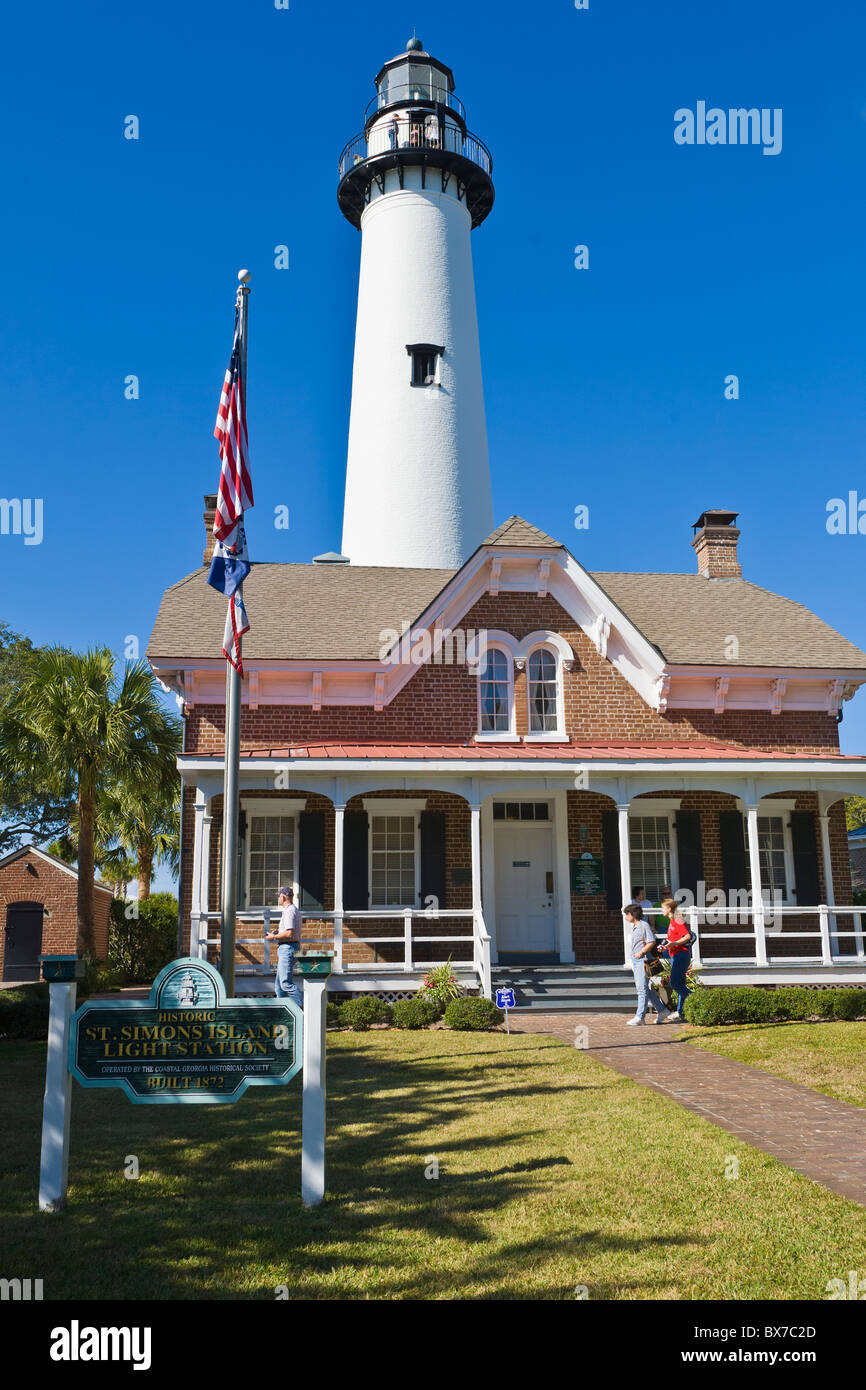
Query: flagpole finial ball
{"type": "Point", "coordinates": [244, 277]}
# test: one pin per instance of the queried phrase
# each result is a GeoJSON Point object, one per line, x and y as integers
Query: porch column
{"type": "Point", "coordinates": [475, 836]}
{"type": "Point", "coordinates": [204, 889]}
{"type": "Point", "coordinates": [339, 810]}
{"type": "Point", "coordinates": [757, 891]}
{"type": "Point", "coordinates": [480, 938]}
{"type": "Point", "coordinates": [199, 809]}
{"type": "Point", "coordinates": [829, 891]}
{"type": "Point", "coordinates": [624, 874]}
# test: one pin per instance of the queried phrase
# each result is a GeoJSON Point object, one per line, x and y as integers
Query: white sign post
{"type": "Point", "coordinates": [313, 1105]}
{"type": "Point", "coordinates": [54, 1163]}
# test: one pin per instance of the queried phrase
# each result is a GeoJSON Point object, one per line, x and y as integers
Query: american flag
{"type": "Point", "coordinates": [230, 564]}
{"type": "Point", "coordinates": [236, 489]}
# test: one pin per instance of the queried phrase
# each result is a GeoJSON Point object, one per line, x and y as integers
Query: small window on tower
{"type": "Point", "coordinates": [425, 363]}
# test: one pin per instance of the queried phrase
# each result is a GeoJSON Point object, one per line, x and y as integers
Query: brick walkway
{"type": "Point", "coordinates": [822, 1138]}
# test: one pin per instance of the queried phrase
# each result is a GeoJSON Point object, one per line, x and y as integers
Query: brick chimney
{"type": "Point", "coordinates": [715, 544]}
{"type": "Point", "coordinates": [210, 501]}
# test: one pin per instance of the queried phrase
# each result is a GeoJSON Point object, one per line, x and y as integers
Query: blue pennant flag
{"type": "Point", "coordinates": [230, 564]}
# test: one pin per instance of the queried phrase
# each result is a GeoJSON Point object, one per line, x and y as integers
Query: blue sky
{"type": "Point", "coordinates": [603, 387]}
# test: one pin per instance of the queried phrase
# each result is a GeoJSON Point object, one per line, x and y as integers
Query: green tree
{"type": "Point", "coordinates": [82, 727]}
{"type": "Point", "coordinates": [140, 824]}
{"type": "Point", "coordinates": [30, 811]}
{"type": "Point", "coordinates": [855, 811]}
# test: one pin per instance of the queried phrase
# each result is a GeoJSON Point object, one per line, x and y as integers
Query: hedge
{"type": "Point", "coordinates": [139, 946]}
{"type": "Point", "coordinates": [748, 1004]}
{"type": "Point", "coordinates": [363, 1010]}
{"type": "Point", "coordinates": [472, 1014]}
{"type": "Point", "coordinates": [24, 1012]}
{"type": "Point", "coordinates": [414, 1013]}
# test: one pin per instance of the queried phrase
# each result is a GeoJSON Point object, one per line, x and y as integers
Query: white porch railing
{"type": "Point", "coordinates": [330, 934]}
{"type": "Point", "coordinates": [767, 925]}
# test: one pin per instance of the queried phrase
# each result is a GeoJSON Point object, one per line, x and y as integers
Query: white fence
{"type": "Point", "coordinates": [766, 925]}
{"type": "Point", "coordinates": [415, 942]}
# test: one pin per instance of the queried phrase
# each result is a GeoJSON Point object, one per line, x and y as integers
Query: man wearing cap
{"type": "Point", "coordinates": [288, 934]}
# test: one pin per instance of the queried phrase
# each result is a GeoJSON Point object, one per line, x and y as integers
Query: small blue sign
{"type": "Point", "coordinates": [505, 998]}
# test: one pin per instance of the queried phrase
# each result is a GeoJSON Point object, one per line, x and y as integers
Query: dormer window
{"type": "Point", "coordinates": [494, 692]}
{"type": "Point", "coordinates": [542, 669]}
{"type": "Point", "coordinates": [425, 359]}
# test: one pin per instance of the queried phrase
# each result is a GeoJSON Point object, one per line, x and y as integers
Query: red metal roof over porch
{"type": "Point", "coordinates": [583, 751]}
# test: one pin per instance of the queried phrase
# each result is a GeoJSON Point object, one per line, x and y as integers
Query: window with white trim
{"type": "Point", "coordinates": [393, 861]}
{"type": "Point", "coordinates": [494, 692]}
{"type": "Point", "coordinates": [270, 857]}
{"type": "Point", "coordinates": [543, 682]}
{"type": "Point", "coordinates": [771, 853]}
{"type": "Point", "coordinates": [649, 848]}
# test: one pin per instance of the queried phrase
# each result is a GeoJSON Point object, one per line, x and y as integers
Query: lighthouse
{"type": "Point", "coordinates": [416, 182]}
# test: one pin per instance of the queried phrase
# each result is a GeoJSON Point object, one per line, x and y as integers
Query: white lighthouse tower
{"type": "Point", "coordinates": [416, 182]}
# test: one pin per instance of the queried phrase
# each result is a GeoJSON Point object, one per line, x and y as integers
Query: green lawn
{"type": "Point", "coordinates": [554, 1173]}
{"type": "Point", "coordinates": [829, 1057]}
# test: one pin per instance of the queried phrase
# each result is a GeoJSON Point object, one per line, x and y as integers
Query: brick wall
{"type": "Point", "coordinates": [440, 702]}
{"type": "Point", "coordinates": [31, 879]}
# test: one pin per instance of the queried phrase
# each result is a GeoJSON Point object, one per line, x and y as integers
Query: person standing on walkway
{"type": "Point", "coordinates": [643, 946]}
{"type": "Point", "coordinates": [288, 935]}
{"type": "Point", "coordinates": [679, 948]}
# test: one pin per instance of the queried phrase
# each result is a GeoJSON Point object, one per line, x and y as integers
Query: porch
{"type": "Point", "coordinates": [490, 857]}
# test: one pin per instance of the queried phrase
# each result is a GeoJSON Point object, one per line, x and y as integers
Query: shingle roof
{"type": "Point", "coordinates": [298, 612]}
{"type": "Point", "coordinates": [339, 612]}
{"type": "Point", "coordinates": [516, 531]}
{"type": "Point", "coordinates": [691, 619]}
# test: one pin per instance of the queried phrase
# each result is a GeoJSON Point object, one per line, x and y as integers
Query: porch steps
{"type": "Point", "coordinates": [575, 989]}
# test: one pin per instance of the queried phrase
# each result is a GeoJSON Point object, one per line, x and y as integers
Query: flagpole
{"type": "Point", "coordinates": [231, 775]}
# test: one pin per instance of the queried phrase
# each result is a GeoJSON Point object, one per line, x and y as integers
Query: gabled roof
{"type": "Point", "coordinates": [339, 613]}
{"type": "Point", "coordinates": [50, 859]}
{"type": "Point", "coordinates": [690, 620]}
{"type": "Point", "coordinates": [516, 531]}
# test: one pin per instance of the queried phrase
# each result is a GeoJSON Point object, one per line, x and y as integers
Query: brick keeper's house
{"type": "Point", "coordinates": [457, 740]}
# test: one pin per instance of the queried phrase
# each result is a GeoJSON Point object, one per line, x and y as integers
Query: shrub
{"type": "Point", "coordinates": [24, 1012]}
{"type": "Point", "coordinates": [363, 1010]}
{"type": "Point", "coordinates": [138, 947]}
{"type": "Point", "coordinates": [848, 1003]}
{"type": "Point", "coordinates": [743, 1004]}
{"type": "Point", "coordinates": [738, 1004]}
{"type": "Point", "coordinates": [333, 1016]}
{"type": "Point", "coordinates": [414, 1013]}
{"type": "Point", "coordinates": [471, 1014]}
{"type": "Point", "coordinates": [793, 1002]}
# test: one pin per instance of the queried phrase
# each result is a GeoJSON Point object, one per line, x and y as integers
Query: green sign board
{"type": "Point", "coordinates": [187, 1043]}
{"type": "Point", "coordinates": [587, 875]}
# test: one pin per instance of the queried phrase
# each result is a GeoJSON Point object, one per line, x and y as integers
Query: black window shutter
{"type": "Point", "coordinates": [735, 868]}
{"type": "Point", "coordinates": [311, 858]}
{"type": "Point", "coordinates": [807, 890]}
{"type": "Point", "coordinates": [355, 861]}
{"type": "Point", "coordinates": [610, 849]}
{"type": "Point", "coordinates": [689, 850]}
{"type": "Point", "coordinates": [433, 877]}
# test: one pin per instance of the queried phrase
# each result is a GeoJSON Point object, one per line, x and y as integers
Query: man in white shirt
{"type": "Point", "coordinates": [288, 936]}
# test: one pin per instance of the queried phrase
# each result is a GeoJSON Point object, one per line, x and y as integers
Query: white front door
{"type": "Point", "coordinates": [525, 916]}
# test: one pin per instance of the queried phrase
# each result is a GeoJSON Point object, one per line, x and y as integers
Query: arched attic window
{"type": "Point", "coordinates": [495, 692]}
{"type": "Point", "coordinates": [544, 693]}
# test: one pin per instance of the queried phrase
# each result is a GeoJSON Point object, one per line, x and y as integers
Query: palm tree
{"type": "Point", "coordinates": [72, 720]}
{"type": "Point", "coordinates": [141, 824]}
